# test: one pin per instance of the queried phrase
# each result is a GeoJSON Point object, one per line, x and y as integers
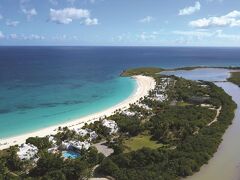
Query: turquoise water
{"type": "Point", "coordinates": [45, 86]}
{"type": "Point", "coordinates": [70, 154]}
{"type": "Point", "coordinates": [50, 105]}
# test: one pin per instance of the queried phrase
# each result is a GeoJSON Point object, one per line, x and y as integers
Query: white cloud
{"type": "Point", "coordinates": [26, 37]}
{"type": "Point", "coordinates": [53, 2]}
{"type": "Point", "coordinates": [190, 10]}
{"type": "Point", "coordinates": [137, 37]}
{"type": "Point", "coordinates": [231, 19]}
{"type": "Point", "coordinates": [201, 34]}
{"type": "Point", "coordinates": [34, 37]}
{"type": "Point", "coordinates": [1, 17]}
{"type": "Point", "coordinates": [71, 1]}
{"type": "Point", "coordinates": [64, 37]}
{"type": "Point", "coordinates": [144, 36]}
{"type": "Point", "coordinates": [24, 2]}
{"type": "Point", "coordinates": [67, 15]}
{"type": "Point", "coordinates": [215, 0]}
{"type": "Point", "coordinates": [27, 9]}
{"type": "Point", "coordinates": [12, 23]}
{"type": "Point", "coordinates": [196, 34]}
{"type": "Point", "coordinates": [146, 19]}
{"type": "Point", "coordinates": [124, 37]}
{"type": "Point", "coordinates": [29, 13]}
{"type": "Point", "coordinates": [90, 22]}
{"type": "Point", "coordinates": [13, 36]}
{"type": "Point", "coordinates": [1, 35]}
{"type": "Point", "coordinates": [229, 37]}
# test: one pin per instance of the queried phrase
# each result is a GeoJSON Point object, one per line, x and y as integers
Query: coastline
{"type": "Point", "coordinates": [144, 85]}
{"type": "Point", "coordinates": [228, 150]}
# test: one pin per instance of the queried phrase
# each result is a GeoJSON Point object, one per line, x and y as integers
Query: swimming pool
{"type": "Point", "coordinates": [70, 154]}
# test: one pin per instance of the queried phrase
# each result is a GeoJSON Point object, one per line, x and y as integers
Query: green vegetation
{"type": "Point", "coordinates": [139, 142]}
{"type": "Point", "coordinates": [183, 104]}
{"type": "Point", "coordinates": [49, 166]}
{"type": "Point", "coordinates": [102, 131]}
{"type": "Point", "coordinates": [148, 71]}
{"type": "Point", "coordinates": [10, 165]}
{"type": "Point", "coordinates": [53, 166]}
{"type": "Point", "coordinates": [235, 78]}
{"type": "Point", "coordinates": [160, 140]}
{"type": "Point", "coordinates": [187, 141]}
{"type": "Point", "coordinates": [40, 143]}
{"type": "Point", "coordinates": [130, 125]}
{"type": "Point", "coordinates": [188, 68]}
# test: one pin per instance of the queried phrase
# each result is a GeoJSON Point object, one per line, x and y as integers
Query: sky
{"type": "Point", "coordinates": [120, 22]}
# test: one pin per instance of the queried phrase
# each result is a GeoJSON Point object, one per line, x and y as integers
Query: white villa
{"type": "Point", "coordinates": [68, 145]}
{"type": "Point", "coordinates": [161, 97]}
{"type": "Point", "coordinates": [27, 151]}
{"type": "Point", "coordinates": [52, 140]}
{"type": "Point", "coordinates": [92, 135]}
{"type": "Point", "coordinates": [112, 125]}
{"type": "Point", "coordinates": [129, 113]}
{"type": "Point", "coordinates": [53, 150]}
{"type": "Point", "coordinates": [84, 132]}
{"type": "Point", "coordinates": [81, 132]}
{"type": "Point", "coordinates": [160, 94]}
{"type": "Point", "coordinates": [144, 106]}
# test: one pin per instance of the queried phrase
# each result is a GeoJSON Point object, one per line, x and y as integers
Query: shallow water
{"type": "Point", "coordinates": [206, 74]}
{"type": "Point", "coordinates": [225, 165]}
{"type": "Point", "coordinates": [30, 109]}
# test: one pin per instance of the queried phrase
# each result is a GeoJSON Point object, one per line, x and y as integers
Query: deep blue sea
{"type": "Point", "coordinates": [44, 86]}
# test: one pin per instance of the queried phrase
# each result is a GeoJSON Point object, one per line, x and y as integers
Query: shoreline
{"type": "Point", "coordinates": [228, 150]}
{"type": "Point", "coordinates": [143, 85]}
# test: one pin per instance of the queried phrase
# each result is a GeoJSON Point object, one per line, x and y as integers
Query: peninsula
{"type": "Point", "coordinates": [167, 129]}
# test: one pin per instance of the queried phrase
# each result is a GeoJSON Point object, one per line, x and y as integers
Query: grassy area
{"type": "Point", "coordinates": [139, 142]}
{"type": "Point", "coordinates": [148, 71]}
{"type": "Point", "coordinates": [235, 78]}
{"type": "Point", "coordinates": [183, 104]}
{"type": "Point", "coordinates": [3, 153]}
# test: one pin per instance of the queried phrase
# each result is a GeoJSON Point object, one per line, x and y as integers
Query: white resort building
{"type": "Point", "coordinates": [52, 140]}
{"type": "Point", "coordinates": [27, 151]}
{"type": "Point", "coordinates": [93, 136]}
{"type": "Point", "coordinates": [86, 132]}
{"type": "Point", "coordinates": [112, 125]}
{"type": "Point", "coordinates": [81, 132]}
{"type": "Point", "coordinates": [129, 113]}
{"type": "Point", "coordinates": [69, 145]}
{"type": "Point", "coordinates": [160, 92]}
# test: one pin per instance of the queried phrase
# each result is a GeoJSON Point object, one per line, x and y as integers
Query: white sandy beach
{"type": "Point", "coordinates": [144, 85]}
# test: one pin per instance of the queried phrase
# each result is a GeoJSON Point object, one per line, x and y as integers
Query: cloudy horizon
{"type": "Point", "coordinates": [120, 23]}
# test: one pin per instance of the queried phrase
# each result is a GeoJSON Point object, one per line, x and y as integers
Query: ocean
{"type": "Point", "coordinates": [44, 86]}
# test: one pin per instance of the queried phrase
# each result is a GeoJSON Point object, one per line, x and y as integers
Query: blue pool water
{"type": "Point", "coordinates": [70, 154]}
{"type": "Point", "coordinates": [44, 86]}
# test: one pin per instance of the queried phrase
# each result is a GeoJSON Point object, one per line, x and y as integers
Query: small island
{"type": "Point", "coordinates": [167, 134]}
